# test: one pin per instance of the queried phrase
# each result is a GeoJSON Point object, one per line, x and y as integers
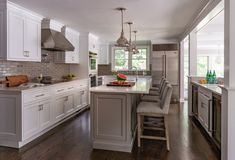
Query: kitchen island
{"type": "Point", "coordinates": [113, 115]}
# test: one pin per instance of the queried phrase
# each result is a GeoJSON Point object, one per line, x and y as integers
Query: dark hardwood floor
{"type": "Point", "coordinates": [71, 141]}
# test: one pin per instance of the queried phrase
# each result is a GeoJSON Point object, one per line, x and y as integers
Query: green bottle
{"type": "Point", "coordinates": [210, 78]}
{"type": "Point", "coordinates": [214, 77]}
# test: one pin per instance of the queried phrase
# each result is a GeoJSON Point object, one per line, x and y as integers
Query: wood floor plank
{"type": "Point", "coordinates": [71, 141]}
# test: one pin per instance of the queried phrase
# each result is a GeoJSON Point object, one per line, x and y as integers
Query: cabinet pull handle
{"type": "Point", "coordinates": [67, 98]}
{"type": "Point", "coordinates": [40, 107]}
{"type": "Point", "coordinates": [210, 117]}
{"type": "Point", "coordinates": [60, 90]}
{"type": "Point", "coordinates": [40, 95]}
{"type": "Point", "coordinates": [26, 53]}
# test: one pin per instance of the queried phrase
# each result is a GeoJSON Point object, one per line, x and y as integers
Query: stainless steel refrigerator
{"type": "Point", "coordinates": [166, 64]}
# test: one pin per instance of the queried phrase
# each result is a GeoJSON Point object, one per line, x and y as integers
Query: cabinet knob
{"type": "Point", "coordinates": [26, 53]}
{"type": "Point", "coordinates": [40, 107]}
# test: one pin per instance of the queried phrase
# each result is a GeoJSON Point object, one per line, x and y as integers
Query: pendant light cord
{"type": "Point", "coordinates": [122, 20]}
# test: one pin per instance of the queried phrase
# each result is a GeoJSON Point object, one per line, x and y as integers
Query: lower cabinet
{"type": "Point", "coordinates": [69, 104]}
{"type": "Point", "coordinates": [63, 106]}
{"type": "Point", "coordinates": [77, 100]}
{"type": "Point", "coordinates": [36, 117]}
{"type": "Point", "coordinates": [204, 110]}
{"type": "Point", "coordinates": [59, 108]}
{"type": "Point", "coordinates": [84, 97]}
{"type": "Point", "coordinates": [28, 114]}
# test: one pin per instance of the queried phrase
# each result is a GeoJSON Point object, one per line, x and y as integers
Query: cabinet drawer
{"type": "Point", "coordinates": [63, 89]}
{"type": "Point", "coordinates": [35, 95]}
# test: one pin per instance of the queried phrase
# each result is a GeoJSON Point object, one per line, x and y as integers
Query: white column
{"type": "Point", "coordinates": [192, 53]}
{"type": "Point", "coordinates": [228, 98]}
{"type": "Point", "coordinates": [182, 71]}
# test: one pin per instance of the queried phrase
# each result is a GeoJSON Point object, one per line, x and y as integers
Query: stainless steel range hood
{"type": "Point", "coordinates": [53, 40]}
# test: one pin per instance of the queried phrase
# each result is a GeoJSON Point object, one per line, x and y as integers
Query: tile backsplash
{"type": "Point", "coordinates": [33, 69]}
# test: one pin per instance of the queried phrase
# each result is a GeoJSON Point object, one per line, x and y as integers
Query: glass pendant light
{"type": "Point", "coordinates": [135, 50]}
{"type": "Point", "coordinates": [122, 41]}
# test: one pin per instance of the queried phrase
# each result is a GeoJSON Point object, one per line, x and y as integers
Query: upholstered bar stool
{"type": "Point", "coordinates": [156, 91]}
{"type": "Point", "coordinates": [158, 110]}
{"type": "Point", "coordinates": [159, 87]}
{"type": "Point", "coordinates": [155, 98]}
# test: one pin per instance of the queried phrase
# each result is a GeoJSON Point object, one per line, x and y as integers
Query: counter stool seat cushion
{"type": "Point", "coordinates": [150, 107]}
{"type": "Point", "coordinates": [150, 98]}
{"type": "Point", "coordinates": [152, 92]}
{"type": "Point", "coordinates": [155, 89]}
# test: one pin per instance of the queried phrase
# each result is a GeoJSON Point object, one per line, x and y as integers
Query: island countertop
{"type": "Point", "coordinates": [142, 86]}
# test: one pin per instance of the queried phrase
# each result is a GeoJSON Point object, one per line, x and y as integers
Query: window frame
{"type": "Point", "coordinates": [130, 58]}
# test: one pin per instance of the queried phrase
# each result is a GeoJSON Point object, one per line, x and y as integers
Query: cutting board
{"type": "Point", "coordinates": [13, 81]}
{"type": "Point", "coordinates": [124, 84]}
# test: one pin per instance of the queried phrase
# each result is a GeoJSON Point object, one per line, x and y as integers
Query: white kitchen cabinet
{"type": "Point", "coordinates": [64, 105]}
{"type": "Point", "coordinates": [70, 57]}
{"type": "Point", "coordinates": [31, 121]}
{"type": "Point", "coordinates": [93, 44]}
{"type": "Point", "coordinates": [69, 104]}
{"type": "Point", "coordinates": [16, 36]}
{"type": "Point", "coordinates": [103, 57]}
{"type": "Point", "coordinates": [59, 104]}
{"type": "Point", "coordinates": [36, 117]}
{"type": "Point", "coordinates": [23, 39]}
{"type": "Point", "coordinates": [77, 100]}
{"type": "Point", "coordinates": [27, 114]}
{"type": "Point", "coordinates": [45, 115]}
{"type": "Point", "coordinates": [84, 97]}
{"type": "Point", "coordinates": [32, 40]}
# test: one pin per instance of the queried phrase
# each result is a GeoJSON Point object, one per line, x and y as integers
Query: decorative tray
{"type": "Point", "coordinates": [121, 84]}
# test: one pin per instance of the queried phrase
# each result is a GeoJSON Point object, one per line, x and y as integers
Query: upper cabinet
{"type": "Point", "coordinates": [93, 44]}
{"type": "Point", "coordinates": [70, 57]}
{"type": "Point", "coordinates": [20, 32]}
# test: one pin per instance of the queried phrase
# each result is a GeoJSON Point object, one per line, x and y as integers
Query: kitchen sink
{"type": "Point", "coordinates": [31, 85]}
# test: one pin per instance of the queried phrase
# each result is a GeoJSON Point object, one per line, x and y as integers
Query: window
{"type": "Point", "coordinates": [202, 65]}
{"type": "Point", "coordinates": [123, 61]}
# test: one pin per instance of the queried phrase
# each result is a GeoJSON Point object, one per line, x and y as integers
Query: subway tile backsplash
{"type": "Point", "coordinates": [33, 69]}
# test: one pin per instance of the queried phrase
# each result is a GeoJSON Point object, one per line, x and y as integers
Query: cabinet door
{"type": "Point", "coordinates": [16, 36]}
{"type": "Point", "coordinates": [69, 105]}
{"type": "Point", "coordinates": [76, 51]}
{"type": "Point", "coordinates": [32, 39]}
{"type": "Point", "coordinates": [31, 120]}
{"type": "Point", "coordinates": [45, 114]}
{"type": "Point", "coordinates": [84, 97]}
{"type": "Point", "coordinates": [77, 100]}
{"type": "Point", "coordinates": [59, 104]}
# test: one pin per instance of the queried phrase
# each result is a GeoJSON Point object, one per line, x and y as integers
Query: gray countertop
{"type": "Point", "coordinates": [21, 89]}
{"type": "Point", "coordinates": [215, 88]}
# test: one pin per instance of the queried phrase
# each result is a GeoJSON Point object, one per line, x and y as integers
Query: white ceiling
{"type": "Point", "coordinates": [154, 19]}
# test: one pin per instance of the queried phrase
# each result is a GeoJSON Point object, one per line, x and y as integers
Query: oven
{"type": "Point", "coordinates": [93, 80]}
{"type": "Point", "coordinates": [92, 61]}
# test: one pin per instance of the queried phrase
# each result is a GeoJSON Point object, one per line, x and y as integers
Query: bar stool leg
{"type": "Point", "coordinates": [167, 133]}
{"type": "Point", "coordinates": [139, 129]}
